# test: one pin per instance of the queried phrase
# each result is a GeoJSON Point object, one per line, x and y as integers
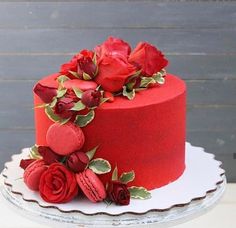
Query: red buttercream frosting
{"type": "Point", "coordinates": [146, 134]}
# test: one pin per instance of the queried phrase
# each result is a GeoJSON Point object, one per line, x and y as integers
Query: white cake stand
{"type": "Point", "coordinates": [195, 192]}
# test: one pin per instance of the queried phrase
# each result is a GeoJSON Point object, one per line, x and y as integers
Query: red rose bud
{"type": "Point", "coordinates": [87, 66]}
{"type": "Point", "coordinates": [77, 161]}
{"type": "Point", "coordinates": [48, 155]}
{"type": "Point", "coordinates": [45, 93]}
{"type": "Point", "coordinates": [148, 58]}
{"type": "Point", "coordinates": [118, 193]}
{"type": "Point", "coordinates": [85, 63]}
{"type": "Point", "coordinates": [63, 107]}
{"type": "Point", "coordinates": [24, 163]}
{"type": "Point", "coordinates": [91, 98]}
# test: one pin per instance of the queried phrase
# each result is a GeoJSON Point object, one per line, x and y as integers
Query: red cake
{"type": "Point", "coordinates": [146, 133]}
{"type": "Point", "coordinates": [123, 104]}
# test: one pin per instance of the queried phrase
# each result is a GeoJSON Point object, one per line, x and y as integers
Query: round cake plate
{"type": "Point", "coordinates": [199, 188]}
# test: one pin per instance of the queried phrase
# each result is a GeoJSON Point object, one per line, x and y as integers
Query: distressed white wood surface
{"type": "Point", "coordinates": [223, 215]}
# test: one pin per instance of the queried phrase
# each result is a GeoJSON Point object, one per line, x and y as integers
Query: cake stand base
{"type": "Point", "coordinates": [188, 197]}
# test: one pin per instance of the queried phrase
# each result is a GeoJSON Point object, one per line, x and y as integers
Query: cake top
{"type": "Point", "coordinates": [112, 70]}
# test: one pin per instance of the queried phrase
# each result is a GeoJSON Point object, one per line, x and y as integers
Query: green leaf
{"type": "Point", "coordinates": [78, 106]}
{"type": "Point", "coordinates": [91, 153]}
{"type": "Point", "coordinates": [115, 174]}
{"type": "Point", "coordinates": [127, 177]}
{"type": "Point", "coordinates": [159, 76]}
{"type": "Point", "coordinates": [64, 121]}
{"type": "Point", "coordinates": [100, 166]}
{"type": "Point", "coordinates": [61, 93]}
{"type": "Point", "coordinates": [104, 99]}
{"type": "Point", "coordinates": [51, 115]}
{"type": "Point", "coordinates": [130, 85]}
{"type": "Point", "coordinates": [160, 80]}
{"type": "Point", "coordinates": [63, 160]}
{"type": "Point", "coordinates": [135, 75]}
{"type": "Point", "coordinates": [83, 120]}
{"type": "Point", "coordinates": [95, 59]}
{"type": "Point", "coordinates": [145, 81]}
{"type": "Point", "coordinates": [86, 76]}
{"type": "Point", "coordinates": [78, 92]}
{"type": "Point", "coordinates": [139, 193]}
{"type": "Point", "coordinates": [34, 154]}
{"type": "Point", "coordinates": [53, 103]}
{"type": "Point", "coordinates": [129, 94]}
{"type": "Point", "coordinates": [40, 105]}
{"type": "Point", "coordinates": [75, 74]}
{"type": "Point", "coordinates": [61, 79]}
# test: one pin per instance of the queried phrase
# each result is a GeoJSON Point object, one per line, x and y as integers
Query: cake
{"type": "Point", "coordinates": [107, 112]}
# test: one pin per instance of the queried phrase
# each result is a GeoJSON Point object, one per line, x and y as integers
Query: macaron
{"type": "Point", "coordinates": [91, 185]}
{"type": "Point", "coordinates": [81, 84]}
{"type": "Point", "coordinates": [33, 173]}
{"type": "Point", "coordinates": [65, 139]}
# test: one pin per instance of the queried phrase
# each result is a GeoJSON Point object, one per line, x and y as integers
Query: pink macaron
{"type": "Point", "coordinates": [91, 185]}
{"type": "Point", "coordinates": [80, 84]}
{"type": "Point", "coordinates": [33, 173]}
{"type": "Point", "coordinates": [65, 139]}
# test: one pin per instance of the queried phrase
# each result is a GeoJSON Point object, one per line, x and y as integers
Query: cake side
{"type": "Point", "coordinates": [114, 112]}
{"type": "Point", "coordinates": [147, 133]}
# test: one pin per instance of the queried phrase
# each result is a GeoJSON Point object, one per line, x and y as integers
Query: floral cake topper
{"type": "Point", "coordinates": [89, 79]}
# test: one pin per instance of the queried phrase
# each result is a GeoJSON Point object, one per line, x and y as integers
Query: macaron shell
{"type": "Point", "coordinates": [91, 185]}
{"type": "Point", "coordinates": [33, 173]}
{"type": "Point", "coordinates": [81, 84]}
{"type": "Point", "coordinates": [65, 139]}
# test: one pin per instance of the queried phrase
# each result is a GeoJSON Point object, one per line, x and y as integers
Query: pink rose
{"type": "Point", "coordinates": [148, 58]}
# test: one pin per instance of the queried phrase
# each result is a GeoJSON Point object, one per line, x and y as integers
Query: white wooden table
{"type": "Point", "coordinates": [223, 215]}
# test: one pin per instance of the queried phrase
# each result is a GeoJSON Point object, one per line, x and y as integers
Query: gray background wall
{"type": "Point", "coordinates": [199, 39]}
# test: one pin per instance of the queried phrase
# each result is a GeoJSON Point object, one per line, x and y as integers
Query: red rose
{"type": "Point", "coordinates": [85, 63]}
{"type": "Point", "coordinates": [46, 93]}
{"type": "Point", "coordinates": [118, 193]}
{"type": "Point", "coordinates": [148, 58]}
{"type": "Point", "coordinates": [113, 46]}
{"type": "Point", "coordinates": [113, 73]}
{"type": "Point", "coordinates": [63, 107]}
{"type": "Point", "coordinates": [48, 155]}
{"type": "Point", "coordinates": [58, 184]}
{"type": "Point", "coordinates": [77, 161]}
{"type": "Point", "coordinates": [80, 63]}
{"type": "Point", "coordinates": [72, 65]}
{"type": "Point", "coordinates": [91, 98]}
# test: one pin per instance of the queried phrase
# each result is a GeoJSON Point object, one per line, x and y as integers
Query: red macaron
{"type": "Point", "coordinates": [33, 173]}
{"type": "Point", "coordinates": [91, 185]}
{"type": "Point", "coordinates": [64, 139]}
{"type": "Point", "coordinates": [80, 84]}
